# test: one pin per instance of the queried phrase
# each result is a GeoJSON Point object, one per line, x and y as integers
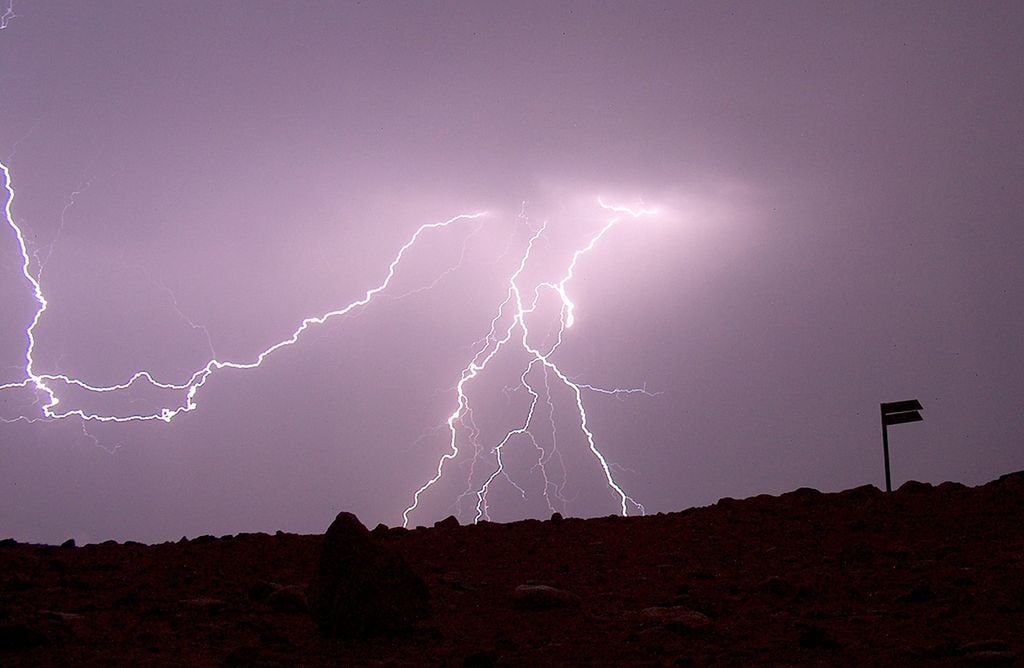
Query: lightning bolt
{"type": "Point", "coordinates": [37, 291]}
{"type": "Point", "coordinates": [461, 419]}
{"type": "Point", "coordinates": [510, 328]}
{"type": "Point", "coordinates": [44, 382]}
{"type": "Point", "coordinates": [5, 18]}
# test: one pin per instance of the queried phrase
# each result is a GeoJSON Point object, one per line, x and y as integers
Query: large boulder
{"type": "Point", "coordinates": [362, 587]}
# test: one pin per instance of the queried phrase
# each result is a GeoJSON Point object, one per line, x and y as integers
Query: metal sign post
{"type": "Point", "coordinates": [896, 412]}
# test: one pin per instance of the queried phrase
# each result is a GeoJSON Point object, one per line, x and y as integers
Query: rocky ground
{"type": "Point", "coordinates": [925, 575]}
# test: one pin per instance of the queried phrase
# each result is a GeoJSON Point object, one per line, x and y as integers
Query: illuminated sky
{"type": "Point", "coordinates": [839, 195]}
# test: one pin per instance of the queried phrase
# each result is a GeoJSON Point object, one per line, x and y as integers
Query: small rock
{"type": "Point", "coordinates": [8, 542]}
{"type": "Point", "coordinates": [992, 652]}
{"type": "Point", "coordinates": [804, 494]}
{"type": "Point", "coordinates": [380, 530]}
{"type": "Point", "coordinates": [556, 517]}
{"type": "Point", "coordinates": [449, 522]}
{"type": "Point", "coordinates": [542, 597]}
{"type": "Point", "coordinates": [65, 617]}
{"type": "Point", "coordinates": [992, 658]}
{"type": "Point", "coordinates": [914, 487]}
{"type": "Point", "coordinates": [70, 542]}
{"type": "Point", "coordinates": [677, 618]}
{"type": "Point", "coordinates": [993, 645]}
{"type": "Point", "coordinates": [861, 493]}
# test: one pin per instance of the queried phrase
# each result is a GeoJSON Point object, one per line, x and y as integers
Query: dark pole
{"type": "Point", "coordinates": [896, 412]}
{"type": "Point", "coordinates": [885, 451]}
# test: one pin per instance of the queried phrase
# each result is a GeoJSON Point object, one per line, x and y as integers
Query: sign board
{"type": "Point", "coordinates": [896, 412]}
{"type": "Point", "coordinates": [900, 418]}
{"type": "Point", "coordinates": [901, 406]}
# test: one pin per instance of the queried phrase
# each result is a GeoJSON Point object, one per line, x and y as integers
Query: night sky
{"type": "Point", "coordinates": [838, 192]}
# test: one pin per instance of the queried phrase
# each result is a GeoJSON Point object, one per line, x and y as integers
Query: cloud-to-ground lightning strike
{"type": "Point", "coordinates": [510, 327]}
{"type": "Point", "coordinates": [493, 343]}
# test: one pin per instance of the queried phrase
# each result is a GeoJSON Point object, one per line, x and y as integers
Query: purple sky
{"type": "Point", "coordinates": [839, 193]}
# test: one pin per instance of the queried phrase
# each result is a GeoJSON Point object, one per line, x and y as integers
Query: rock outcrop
{"type": "Point", "coordinates": [362, 587]}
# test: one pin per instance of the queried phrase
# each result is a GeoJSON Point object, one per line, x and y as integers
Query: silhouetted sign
{"type": "Point", "coordinates": [900, 418]}
{"type": "Point", "coordinates": [896, 412]}
{"type": "Point", "coordinates": [901, 406]}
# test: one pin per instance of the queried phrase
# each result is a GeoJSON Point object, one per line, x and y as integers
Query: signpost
{"type": "Point", "coordinates": [896, 412]}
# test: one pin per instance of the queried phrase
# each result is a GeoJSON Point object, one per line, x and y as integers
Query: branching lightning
{"type": "Point", "coordinates": [510, 328]}
{"type": "Point", "coordinates": [461, 419]}
{"type": "Point", "coordinates": [44, 382]}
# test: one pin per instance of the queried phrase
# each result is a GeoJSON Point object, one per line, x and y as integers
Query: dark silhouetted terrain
{"type": "Point", "coordinates": [923, 575]}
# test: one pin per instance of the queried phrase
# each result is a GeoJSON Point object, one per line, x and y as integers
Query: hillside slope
{"type": "Point", "coordinates": [923, 575]}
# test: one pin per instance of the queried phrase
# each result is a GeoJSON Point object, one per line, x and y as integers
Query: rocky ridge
{"type": "Point", "coordinates": [924, 575]}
